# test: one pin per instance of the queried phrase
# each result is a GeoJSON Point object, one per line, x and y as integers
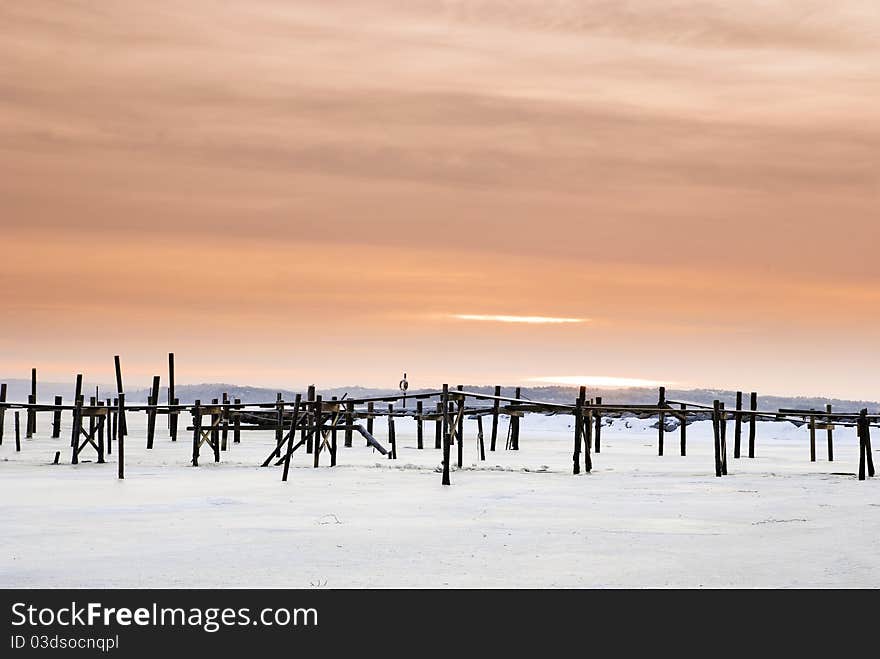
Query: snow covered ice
{"type": "Point", "coordinates": [520, 519]}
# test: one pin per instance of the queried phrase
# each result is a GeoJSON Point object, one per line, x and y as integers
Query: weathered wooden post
{"type": "Point", "coordinates": [722, 420]}
{"type": "Point", "coordinates": [830, 431]}
{"type": "Point", "coordinates": [92, 400]}
{"type": "Point", "coordinates": [236, 424]}
{"type": "Point", "coordinates": [514, 424]}
{"type": "Point", "coordinates": [438, 428]}
{"type": "Point", "coordinates": [215, 430]}
{"type": "Point", "coordinates": [496, 404]}
{"type": "Point", "coordinates": [737, 424]}
{"type": "Point", "coordinates": [319, 433]}
{"type": "Point", "coordinates": [716, 432]}
{"type": "Point", "coordinates": [334, 418]}
{"type": "Point", "coordinates": [2, 410]}
{"type": "Point", "coordinates": [661, 424]}
{"type": "Point", "coordinates": [224, 414]}
{"type": "Point", "coordinates": [115, 425]}
{"type": "Point", "coordinates": [17, 432]}
{"type": "Point", "coordinates": [753, 422]}
{"type": "Point", "coordinates": [371, 407]}
{"type": "Point", "coordinates": [56, 418]}
{"type": "Point", "coordinates": [683, 430]}
{"type": "Point", "coordinates": [588, 440]}
{"type": "Point", "coordinates": [333, 434]}
{"type": "Point", "coordinates": [460, 430]}
{"type": "Point", "coordinates": [121, 438]}
{"type": "Point", "coordinates": [599, 425]}
{"type": "Point", "coordinates": [108, 422]}
{"type": "Point", "coordinates": [588, 430]}
{"type": "Point", "coordinates": [123, 426]}
{"type": "Point", "coordinates": [279, 423]}
{"type": "Point", "coordinates": [197, 430]}
{"type": "Point", "coordinates": [152, 407]}
{"type": "Point", "coordinates": [172, 414]}
{"type": "Point", "coordinates": [76, 429]}
{"type": "Point", "coordinates": [349, 422]}
{"type": "Point", "coordinates": [420, 437]}
{"type": "Point", "coordinates": [812, 437]}
{"type": "Point", "coordinates": [32, 413]}
{"type": "Point", "coordinates": [308, 434]}
{"type": "Point", "coordinates": [289, 450]}
{"type": "Point", "coordinates": [392, 437]}
{"type": "Point", "coordinates": [578, 429]}
{"type": "Point", "coordinates": [29, 418]}
{"type": "Point", "coordinates": [863, 428]}
{"type": "Point", "coordinates": [444, 401]}
{"type": "Point", "coordinates": [77, 395]}
{"type": "Point", "coordinates": [480, 445]}
{"type": "Point", "coordinates": [101, 420]}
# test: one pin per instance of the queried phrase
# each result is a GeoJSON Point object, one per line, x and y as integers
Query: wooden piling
{"type": "Point", "coordinates": [812, 437]}
{"type": "Point", "coordinates": [108, 423]}
{"type": "Point", "coordinates": [215, 430]}
{"type": "Point", "coordinates": [481, 447]}
{"type": "Point", "coordinates": [598, 426]}
{"type": "Point", "coordinates": [682, 429]}
{"type": "Point", "coordinates": [333, 433]}
{"type": "Point", "coordinates": [319, 434]}
{"type": "Point", "coordinates": [438, 428]}
{"type": "Point", "coordinates": [29, 418]}
{"type": "Point", "coordinates": [197, 430]}
{"type": "Point", "coordinates": [17, 432]}
{"type": "Point", "coordinates": [123, 426]}
{"type": "Point", "coordinates": [578, 430]}
{"type": "Point", "coordinates": [716, 433]}
{"type": "Point", "coordinates": [514, 424]}
{"type": "Point", "coordinates": [2, 410]}
{"type": "Point", "coordinates": [588, 442]}
{"type": "Point", "coordinates": [56, 418]}
{"type": "Point", "coordinates": [661, 424]}
{"type": "Point", "coordinates": [722, 420]}
{"type": "Point", "coordinates": [151, 413]}
{"type": "Point", "coordinates": [830, 431]}
{"type": "Point", "coordinates": [172, 414]}
{"type": "Point", "coordinates": [444, 401]}
{"type": "Point", "coordinates": [420, 438]}
{"type": "Point", "coordinates": [224, 427]}
{"type": "Point", "coordinates": [100, 429]}
{"type": "Point", "coordinates": [349, 423]}
{"type": "Point", "coordinates": [290, 437]}
{"type": "Point", "coordinates": [496, 404]}
{"type": "Point", "coordinates": [392, 437]}
{"type": "Point", "coordinates": [32, 414]}
{"type": "Point", "coordinates": [310, 436]}
{"type": "Point", "coordinates": [753, 422]}
{"type": "Point", "coordinates": [737, 424]}
{"type": "Point", "coordinates": [120, 454]}
{"type": "Point", "coordinates": [459, 435]}
{"type": "Point", "coordinates": [868, 451]}
{"type": "Point", "coordinates": [370, 409]}
{"type": "Point", "coordinates": [236, 424]}
{"type": "Point", "coordinates": [76, 427]}
{"type": "Point", "coordinates": [77, 396]}
{"type": "Point", "coordinates": [333, 421]}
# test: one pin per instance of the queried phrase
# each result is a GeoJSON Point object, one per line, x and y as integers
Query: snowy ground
{"type": "Point", "coordinates": [519, 519]}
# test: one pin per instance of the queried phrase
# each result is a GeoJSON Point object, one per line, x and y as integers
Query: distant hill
{"type": "Point", "coordinates": [18, 390]}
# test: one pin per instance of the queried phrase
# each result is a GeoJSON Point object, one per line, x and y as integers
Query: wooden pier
{"type": "Point", "coordinates": [312, 424]}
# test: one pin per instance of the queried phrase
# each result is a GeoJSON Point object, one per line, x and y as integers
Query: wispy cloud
{"type": "Point", "coordinates": [597, 381]}
{"type": "Point", "coordinates": [518, 319]}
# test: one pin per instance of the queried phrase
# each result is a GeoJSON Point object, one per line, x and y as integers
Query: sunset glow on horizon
{"type": "Point", "coordinates": [533, 320]}
{"type": "Point", "coordinates": [471, 191]}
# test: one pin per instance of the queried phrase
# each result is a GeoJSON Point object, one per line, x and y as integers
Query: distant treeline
{"type": "Point", "coordinates": [19, 389]}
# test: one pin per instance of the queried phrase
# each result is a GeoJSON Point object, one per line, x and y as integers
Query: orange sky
{"type": "Point", "coordinates": [293, 192]}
